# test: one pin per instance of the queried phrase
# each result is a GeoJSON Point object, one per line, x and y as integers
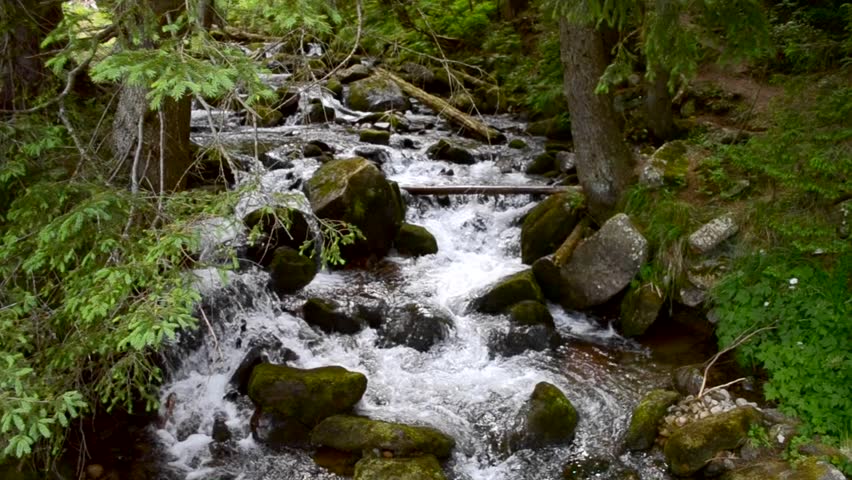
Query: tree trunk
{"type": "Point", "coordinates": [22, 71]}
{"type": "Point", "coordinates": [604, 163]}
{"type": "Point", "coordinates": [658, 105]}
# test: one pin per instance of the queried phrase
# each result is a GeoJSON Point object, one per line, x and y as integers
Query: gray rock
{"type": "Point", "coordinates": [415, 326]}
{"type": "Point", "coordinates": [712, 234]}
{"type": "Point", "coordinates": [640, 308]}
{"type": "Point", "coordinates": [566, 162]}
{"type": "Point", "coordinates": [354, 73]}
{"type": "Point", "coordinates": [375, 94]}
{"type": "Point", "coordinates": [646, 417]}
{"type": "Point", "coordinates": [604, 264]}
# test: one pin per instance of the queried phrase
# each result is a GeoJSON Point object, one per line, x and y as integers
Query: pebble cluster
{"type": "Point", "coordinates": [690, 409]}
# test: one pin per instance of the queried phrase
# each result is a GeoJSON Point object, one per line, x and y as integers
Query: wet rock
{"type": "Point", "coordinates": [450, 152]}
{"type": "Point", "coordinates": [266, 117]}
{"type": "Point", "coordinates": [548, 224]}
{"type": "Point", "coordinates": [377, 155]}
{"type": "Point", "coordinates": [517, 144]}
{"type": "Point", "coordinates": [275, 227]}
{"type": "Point", "coordinates": [418, 468]}
{"type": "Point", "coordinates": [687, 379]}
{"type": "Point", "coordinates": [556, 128]}
{"type": "Point", "coordinates": [355, 191]}
{"type": "Point", "coordinates": [646, 419]}
{"type": "Point", "coordinates": [306, 396]}
{"type": "Point", "coordinates": [319, 113]}
{"type": "Point", "coordinates": [415, 326]}
{"type": "Point", "coordinates": [530, 312]}
{"type": "Point", "coordinates": [712, 234]}
{"type": "Point", "coordinates": [349, 433]}
{"type": "Point", "coordinates": [417, 74]}
{"type": "Point", "coordinates": [603, 264]}
{"type": "Point", "coordinates": [376, 94]}
{"type": "Point", "coordinates": [336, 461]}
{"type": "Point", "coordinates": [278, 432]}
{"type": "Point", "coordinates": [286, 101]}
{"type": "Point", "coordinates": [691, 446]}
{"type": "Point", "coordinates": [324, 147]}
{"type": "Point", "coordinates": [289, 270]}
{"type": "Point", "coordinates": [547, 275]}
{"type": "Point", "coordinates": [547, 419]}
{"type": "Point", "coordinates": [311, 151]}
{"type": "Point", "coordinates": [221, 433]}
{"type": "Point", "coordinates": [379, 137]}
{"type": "Point", "coordinates": [327, 315]}
{"type": "Point", "coordinates": [640, 308]}
{"type": "Point", "coordinates": [239, 381]}
{"type": "Point", "coordinates": [541, 164]}
{"type": "Point", "coordinates": [415, 241]}
{"type": "Point", "coordinates": [335, 86]}
{"type": "Point", "coordinates": [521, 338]}
{"type": "Point", "coordinates": [509, 291]}
{"type": "Point", "coordinates": [586, 468]}
{"type": "Point", "coordinates": [354, 73]}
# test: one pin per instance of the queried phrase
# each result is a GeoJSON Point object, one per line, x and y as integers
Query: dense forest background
{"type": "Point", "coordinates": [94, 246]}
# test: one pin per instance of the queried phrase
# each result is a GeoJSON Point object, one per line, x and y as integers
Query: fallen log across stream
{"type": "Point", "coordinates": [487, 189]}
{"type": "Point", "coordinates": [447, 111]}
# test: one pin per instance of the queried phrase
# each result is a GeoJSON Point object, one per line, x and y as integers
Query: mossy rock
{"type": "Point", "coordinates": [278, 227]}
{"type": "Point", "coordinates": [286, 101]}
{"type": "Point", "coordinates": [640, 308]}
{"type": "Point", "coordinates": [307, 396]}
{"type": "Point", "coordinates": [351, 433]}
{"type": "Point", "coordinates": [417, 468]}
{"type": "Point", "coordinates": [530, 312]}
{"type": "Point", "coordinates": [378, 137]}
{"type": "Point", "coordinates": [335, 87]}
{"type": "Point", "coordinates": [555, 128]}
{"type": "Point", "coordinates": [327, 316]}
{"type": "Point", "coordinates": [339, 463]}
{"type": "Point", "coordinates": [289, 270]}
{"type": "Point", "coordinates": [646, 418]}
{"type": "Point", "coordinates": [673, 160]}
{"type": "Point", "coordinates": [376, 94]}
{"type": "Point", "coordinates": [549, 418]}
{"type": "Point", "coordinates": [355, 191]}
{"type": "Point", "coordinates": [547, 276]}
{"type": "Point", "coordinates": [548, 224]}
{"type": "Point", "coordinates": [354, 73]}
{"type": "Point", "coordinates": [509, 291]}
{"type": "Point", "coordinates": [541, 164]}
{"type": "Point", "coordinates": [267, 116]}
{"type": "Point", "coordinates": [319, 113]}
{"type": "Point", "coordinates": [690, 447]}
{"type": "Point", "coordinates": [450, 152]}
{"type": "Point", "coordinates": [414, 241]}
{"type": "Point", "coordinates": [517, 144]}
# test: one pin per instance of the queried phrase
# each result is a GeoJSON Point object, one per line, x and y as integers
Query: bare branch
{"type": "Point", "coordinates": [739, 341]}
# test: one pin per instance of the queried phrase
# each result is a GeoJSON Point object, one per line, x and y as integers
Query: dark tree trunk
{"type": "Point", "coordinates": [22, 72]}
{"type": "Point", "coordinates": [509, 9]}
{"type": "Point", "coordinates": [604, 163]}
{"type": "Point", "coordinates": [658, 105]}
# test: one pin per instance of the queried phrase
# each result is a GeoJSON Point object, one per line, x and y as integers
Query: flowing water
{"type": "Point", "coordinates": [462, 386]}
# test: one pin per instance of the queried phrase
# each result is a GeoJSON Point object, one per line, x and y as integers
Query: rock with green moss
{"type": "Point", "coordinates": [667, 166]}
{"type": "Point", "coordinates": [355, 191]}
{"type": "Point", "coordinates": [640, 308]}
{"type": "Point", "coordinates": [549, 418]}
{"type": "Point", "coordinates": [556, 128]}
{"type": "Point", "coordinates": [450, 152]}
{"type": "Point", "coordinates": [335, 87]}
{"type": "Point", "coordinates": [327, 315]}
{"type": "Point", "coordinates": [275, 227]}
{"type": "Point", "coordinates": [267, 116]}
{"type": "Point", "coordinates": [319, 113]}
{"type": "Point", "coordinates": [351, 433]}
{"type": "Point", "coordinates": [376, 94]}
{"type": "Point", "coordinates": [541, 164]}
{"type": "Point", "coordinates": [548, 277]}
{"type": "Point", "coordinates": [530, 312]}
{"type": "Point", "coordinates": [690, 447]}
{"type": "Point", "coordinates": [418, 468]}
{"type": "Point", "coordinates": [340, 463]}
{"type": "Point", "coordinates": [548, 224]}
{"type": "Point", "coordinates": [354, 73]}
{"type": "Point", "coordinates": [509, 291]}
{"type": "Point", "coordinates": [646, 418]}
{"type": "Point", "coordinates": [378, 137]}
{"type": "Point", "coordinates": [491, 100]}
{"type": "Point", "coordinates": [770, 469]}
{"type": "Point", "coordinates": [414, 241]}
{"type": "Point", "coordinates": [306, 396]}
{"type": "Point", "coordinates": [289, 270]}
{"type": "Point", "coordinates": [517, 144]}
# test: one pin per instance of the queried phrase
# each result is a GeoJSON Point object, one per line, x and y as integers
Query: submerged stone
{"type": "Point", "coordinates": [414, 241]}
{"type": "Point", "coordinates": [414, 326]}
{"type": "Point", "coordinates": [328, 317]}
{"type": "Point", "coordinates": [350, 433]}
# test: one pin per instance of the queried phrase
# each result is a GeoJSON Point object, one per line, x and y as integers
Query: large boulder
{"type": "Point", "coordinates": [690, 447]}
{"type": "Point", "coordinates": [547, 419]}
{"type": "Point", "coordinates": [355, 191]}
{"type": "Point", "coordinates": [289, 270]}
{"type": "Point", "coordinates": [414, 241]}
{"type": "Point", "coordinates": [376, 94]}
{"type": "Point", "coordinates": [418, 468]}
{"type": "Point", "coordinates": [350, 433]}
{"type": "Point", "coordinates": [640, 308]}
{"type": "Point", "coordinates": [646, 418]}
{"type": "Point", "coordinates": [603, 264]}
{"type": "Point", "coordinates": [530, 312]}
{"type": "Point", "coordinates": [509, 291]}
{"type": "Point", "coordinates": [306, 396]}
{"type": "Point", "coordinates": [414, 326]}
{"type": "Point", "coordinates": [548, 224]}
{"type": "Point", "coordinates": [450, 152]}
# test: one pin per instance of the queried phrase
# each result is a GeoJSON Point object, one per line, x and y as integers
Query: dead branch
{"type": "Point", "coordinates": [563, 253]}
{"type": "Point", "coordinates": [739, 341]}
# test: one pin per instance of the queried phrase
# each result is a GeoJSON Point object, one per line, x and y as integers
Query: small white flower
{"type": "Point", "coordinates": [765, 304]}
{"type": "Point", "coordinates": [794, 281]}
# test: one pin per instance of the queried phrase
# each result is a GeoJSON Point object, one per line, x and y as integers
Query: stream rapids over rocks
{"type": "Point", "coordinates": [466, 385]}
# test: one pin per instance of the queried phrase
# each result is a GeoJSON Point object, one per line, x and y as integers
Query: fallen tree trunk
{"type": "Point", "coordinates": [563, 253]}
{"type": "Point", "coordinates": [486, 189]}
{"type": "Point", "coordinates": [467, 123]}
{"type": "Point", "coordinates": [241, 36]}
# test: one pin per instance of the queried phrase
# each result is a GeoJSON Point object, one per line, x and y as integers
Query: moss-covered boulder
{"type": "Point", "coordinates": [418, 468]}
{"type": "Point", "coordinates": [307, 396]}
{"type": "Point", "coordinates": [549, 418]}
{"type": "Point", "coordinates": [450, 152]}
{"type": "Point", "coordinates": [548, 277]}
{"type": "Point", "coordinates": [350, 433]}
{"type": "Point", "coordinates": [541, 164]}
{"type": "Point", "coordinates": [335, 86]}
{"type": "Point", "coordinates": [355, 191]}
{"type": "Point", "coordinates": [555, 127]}
{"type": "Point", "coordinates": [328, 316]}
{"type": "Point", "coordinates": [517, 144]}
{"type": "Point", "coordinates": [690, 447]}
{"type": "Point", "coordinates": [667, 166]}
{"type": "Point", "coordinates": [266, 116]}
{"type": "Point", "coordinates": [414, 241]}
{"type": "Point", "coordinates": [378, 137]}
{"type": "Point", "coordinates": [548, 224]}
{"type": "Point", "coordinates": [646, 418]}
{"type": "Point", "coordinates": [771, 469]}
{"type": "Point", "coordinates": [376, 94]}
{"type": "Point", "coordinates": [509, 291]}
{"type": "Point", "coordinates": [319, 113]}
{"type": "Point", "coordinates": [530, 312]}
{"type": "Point", "coordinates": [354, 73]}
{"type": "Point", "coordinates": [289, 270]}
{"type": "Point", "coordinates": [640, 308]}
{"type": "Point", "coordinates": [340, 463]}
